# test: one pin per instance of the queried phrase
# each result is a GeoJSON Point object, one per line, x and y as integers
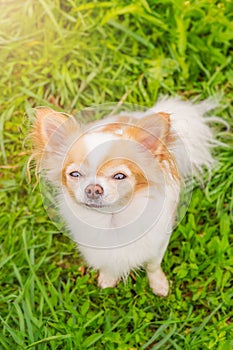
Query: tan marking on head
{"type": "Point", "coordinates": [137, 173]}
{"type": "Point", "coordinates": [77, 154]}
{"type": "Point", "coordinates": [119, 123]}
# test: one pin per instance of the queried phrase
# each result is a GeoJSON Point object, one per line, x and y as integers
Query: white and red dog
{"type": "Point", "coordinates": [118, 181]}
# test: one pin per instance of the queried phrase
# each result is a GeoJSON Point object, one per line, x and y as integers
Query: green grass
{"type": "Point", "coordinates": [73, 54]}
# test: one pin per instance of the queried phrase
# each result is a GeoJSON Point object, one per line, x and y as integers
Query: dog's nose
{"type": "Point", "coordinates": [94, 191]}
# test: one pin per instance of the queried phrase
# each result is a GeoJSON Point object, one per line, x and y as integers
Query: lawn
{"type": "Point", "coordinates": [73, 54]}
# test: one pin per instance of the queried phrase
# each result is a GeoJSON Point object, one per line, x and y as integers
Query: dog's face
{"type": "Point", "coordinates": [105, 166]}
{"type": "Point", "coordinates": [101, 170]}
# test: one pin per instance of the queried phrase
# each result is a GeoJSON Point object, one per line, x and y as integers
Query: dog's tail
{"type": "Point", "coordinates": [194, 138]}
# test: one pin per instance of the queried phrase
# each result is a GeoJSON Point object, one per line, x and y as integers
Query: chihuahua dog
{"type": "Point", "coordinates": [118, 181]}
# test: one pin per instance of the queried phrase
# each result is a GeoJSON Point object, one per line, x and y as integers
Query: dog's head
{"type": "Point", "coordinates": [104, 164]}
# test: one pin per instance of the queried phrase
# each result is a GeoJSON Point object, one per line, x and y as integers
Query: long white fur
{"type": "Point", "coordinates": [118, 261]}
{"type": "Point", "coordinates": [192, 152]}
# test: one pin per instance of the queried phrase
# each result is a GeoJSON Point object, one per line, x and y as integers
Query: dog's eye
{"type": "Point", "coordinates": [75, 174]}
{"type": "Point", "coordinates": [119, 176]}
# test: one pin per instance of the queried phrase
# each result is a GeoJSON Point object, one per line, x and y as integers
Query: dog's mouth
{"type": "Point", "coordinates": [94, 205]}
{"type": "Point", "coordinates": [106, 208]}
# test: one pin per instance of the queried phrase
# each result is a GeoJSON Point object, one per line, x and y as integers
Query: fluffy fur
{"type": "Point", "coordinates": [118, 181]}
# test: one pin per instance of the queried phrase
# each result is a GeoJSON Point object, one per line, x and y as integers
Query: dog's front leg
{"type": "Point", "coordinates": [157, 279]}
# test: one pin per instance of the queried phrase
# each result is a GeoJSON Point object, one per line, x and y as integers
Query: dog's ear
{"type": "Point", "coordinates": [153, 132]}
{"type": "Point", "coordinates": [51, 128]}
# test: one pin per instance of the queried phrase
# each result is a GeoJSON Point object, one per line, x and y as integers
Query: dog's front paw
{"type": "Point", "coordinates": [105, 281]}
{"type": "Point", "coordinates": [158, 282]}
{"type": "Point", "coordinates": [160, 288]}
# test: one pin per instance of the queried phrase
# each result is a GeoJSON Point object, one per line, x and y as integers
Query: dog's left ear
{"type": "Point", "coordinates": [153, 132]}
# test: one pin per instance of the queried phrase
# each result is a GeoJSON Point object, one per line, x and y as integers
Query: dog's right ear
{"type": "Point", "coordinates": [51, 129]}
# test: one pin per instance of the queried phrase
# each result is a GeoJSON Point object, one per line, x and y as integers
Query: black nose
{"type": "Point", "coordinates": [94, 191]}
